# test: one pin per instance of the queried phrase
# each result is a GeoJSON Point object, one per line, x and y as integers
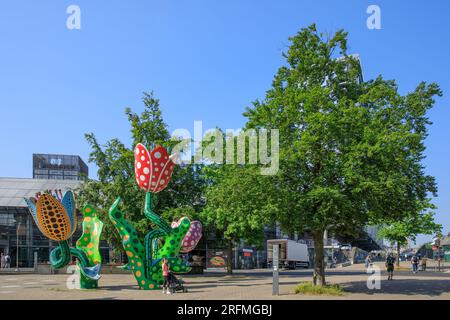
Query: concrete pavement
{"type": "Point", "coordinates": [244, 284]}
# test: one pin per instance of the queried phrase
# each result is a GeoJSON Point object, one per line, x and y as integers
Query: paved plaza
{"type": "Point", "coordinates": [244, 284]}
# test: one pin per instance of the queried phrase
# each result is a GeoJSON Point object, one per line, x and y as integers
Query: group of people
{"type": "Point", "coordinates": [5, 261]}
{"type": "Point", "coordinates": [390, 262]}
{"type": "Point", "coordinates": [415, 263]}
{"type": "Point", "coordinates": [415, 259]}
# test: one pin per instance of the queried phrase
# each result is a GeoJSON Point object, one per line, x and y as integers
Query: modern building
{"type": "Point", "coordinates": [445, 248]}
{"type": "Point", "coordinates": [19, 234]}
{"type": "Point", "coordinates": [59, 167]}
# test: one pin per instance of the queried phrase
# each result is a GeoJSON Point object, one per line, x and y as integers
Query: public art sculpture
{"type": "Point", "coordinates": [55, 216]}
{"type": "Point", "coordinates": [153, 172]}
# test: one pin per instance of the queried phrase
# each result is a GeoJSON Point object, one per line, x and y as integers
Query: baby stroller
{"type": "Point", "coordinates": [175, 284]}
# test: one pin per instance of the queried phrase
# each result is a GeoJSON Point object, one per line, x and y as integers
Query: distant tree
{"type": "Point", "coordinates": [399, 232]}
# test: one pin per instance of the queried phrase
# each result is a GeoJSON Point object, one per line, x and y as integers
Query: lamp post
{"type": "Point", "coordinates": [17, 246]}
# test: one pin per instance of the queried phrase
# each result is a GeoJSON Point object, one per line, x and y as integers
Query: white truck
{"type": "Point", "coordinates": [292, 254]}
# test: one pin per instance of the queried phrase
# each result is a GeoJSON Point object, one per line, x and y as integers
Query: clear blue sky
{"type": "Point", "coordinates": [206, 60]}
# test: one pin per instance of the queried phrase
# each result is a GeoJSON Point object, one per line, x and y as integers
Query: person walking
{"type": "Point", "coordinates": [390, 261]}
{"type": "Point", "coordinates": [424, 263]}
{"type": "Point", "coordinates": [415, 263]}
{"type": "Point", "coordinates": [8, 261]}
{"type": "Point", "coordinates": [166, 275]}
{"type": "Point", "coordinates": [368, 261]}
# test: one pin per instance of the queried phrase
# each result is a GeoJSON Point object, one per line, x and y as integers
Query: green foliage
{"type": "Point", "coordinates": [115, 162]}
{"type": "Point", "coordinates": [350, 151]}
{"type": "Point", "coordinates": [409, 227]}
{"type": "Point", "coordinates": [239, 202]}
{"type": "Point", "coordinates": [309, 288]}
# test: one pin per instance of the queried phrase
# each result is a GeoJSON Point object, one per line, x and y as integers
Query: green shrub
{"type": "Point", "coordinates": [309, 288]}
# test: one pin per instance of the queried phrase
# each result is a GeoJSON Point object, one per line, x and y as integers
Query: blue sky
{"type": "Point", "coordinates": [206, 60]}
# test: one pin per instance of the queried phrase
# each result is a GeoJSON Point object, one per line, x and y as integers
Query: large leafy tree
{"type": "Point", "coordinates": [399, 232]}
{"type": "Point", "coordinates": [115, 162]}
{"type": "Point", "coordinates": [350, 151]}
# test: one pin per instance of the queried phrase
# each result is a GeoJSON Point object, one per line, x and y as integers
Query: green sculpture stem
{"type": "Point", "coordinates": [151, 239]}
{"type": "Point", "coordinates": [83, 262]}
{"type": "Point", "coordinates": [133, 248]}
{"type": "Point", "coordinates": [153, 217]}
{"type": "Point", "coordinates": [151, 248]}
{"type": "Point", "coordinates": [144, 260]}
{"type": "Point", "coordinates": [60, 256]}
{"type": "Point", "coordinates": [81, 256]}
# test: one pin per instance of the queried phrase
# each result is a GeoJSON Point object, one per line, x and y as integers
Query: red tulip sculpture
{"type": "Point", "coordinates": [153, 172]}
{"type": "Point", "coordinates": [153, 169]}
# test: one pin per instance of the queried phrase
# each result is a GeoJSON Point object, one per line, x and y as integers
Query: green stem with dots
{"type": "Point", "coordinates": [151, 238]}
{"type": "Point", "coordinates": [62, 255]}
{"type": "Point", "coordinates": [144, 260]}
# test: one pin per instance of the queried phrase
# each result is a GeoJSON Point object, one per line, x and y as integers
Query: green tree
{"type": "Point", "coordinates": [399, 232]}
{"type": "Point", "coordinates": [115, 162]}
{"type": "Point", "coordinates": [239, 203]}
{"type": "Point", "coordinates": [350, 151]}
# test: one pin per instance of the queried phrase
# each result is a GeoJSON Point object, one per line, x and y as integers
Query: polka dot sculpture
{"type": "Point", "coordinates": [192, 237]}
{"type": "Point", "coordinates": [56, 219]}
{"type": "Point", "coordinates": [153, 172]}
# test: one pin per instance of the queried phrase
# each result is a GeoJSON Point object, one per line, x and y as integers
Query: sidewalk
{"type": "Point", "coordinates": [242, 285]}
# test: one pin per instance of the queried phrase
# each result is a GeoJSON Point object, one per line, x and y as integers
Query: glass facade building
{"type": "Point", "coordinates": [19, 234]}
{"type": "Point", "coordinates": [59, 167]}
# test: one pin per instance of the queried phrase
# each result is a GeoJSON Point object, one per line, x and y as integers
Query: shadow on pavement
{"type": "Point", "coordinates": [402, 286]}
{"type": "Point", "coordinates": [119, 287]}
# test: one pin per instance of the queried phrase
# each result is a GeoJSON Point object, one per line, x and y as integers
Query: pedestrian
{"type": "Point", "coordinates": [415, 263]}
{"type": "Point", "coordinates": [424, 263]}
{"type": "Point", "coordinates": [2, 260]}
{"type": "Point", "coordinates": [390, 261]}
{"type": "Point", "coordinates": [166, 275]}
{"type": "Point", "coordinates": [368, 261]}
{"type": "Point", "coordinates": [7, 261]}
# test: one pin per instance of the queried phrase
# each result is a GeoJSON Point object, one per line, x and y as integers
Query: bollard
{"type": "Point", "coordinates": [275, 285]}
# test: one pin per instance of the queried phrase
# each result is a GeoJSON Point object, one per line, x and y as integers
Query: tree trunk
{"type": "Point", "coordinates": [398, 254]}
{"type": "Point", "coordinates": [230, 257]}
{"type": "Point", "coordinates": [319, 261]}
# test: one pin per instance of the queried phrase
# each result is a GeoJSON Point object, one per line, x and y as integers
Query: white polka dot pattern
{"type": "Point", "coordinates": [192, 237]}
{"type": "Point", "coordinates": [153, 169]}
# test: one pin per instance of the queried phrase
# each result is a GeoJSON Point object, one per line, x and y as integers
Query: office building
{"type": "Point", "coordinates": [59, 167]}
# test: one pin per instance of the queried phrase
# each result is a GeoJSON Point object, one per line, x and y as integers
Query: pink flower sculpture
{"type": "Point", "coordinates": [192, 237]}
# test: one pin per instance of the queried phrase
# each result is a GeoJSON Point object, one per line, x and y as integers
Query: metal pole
{"type": "Point", "coordinates": [35, 264]}
{"type": "Point", "coordinates": [275, 285]}
{"type": "Point", "coordinates": [17, 247]}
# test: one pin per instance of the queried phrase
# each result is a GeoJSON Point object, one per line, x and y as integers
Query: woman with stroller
{"type": "Point", "coordinates": [166, 275]}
